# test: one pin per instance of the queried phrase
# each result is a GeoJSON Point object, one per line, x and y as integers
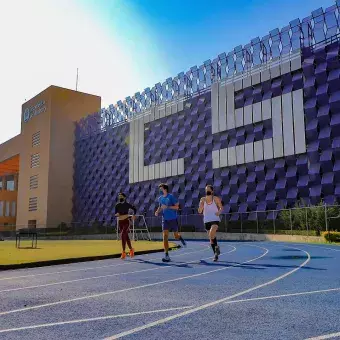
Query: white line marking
{"type": "Point", "coordinates": [118, 291]}
{"type": "Point", "coordinates": [92, 319]}
{"type": "Point", "coordinates": [309, 245]}
{"type": "Point", "coordinates": [91, 268]}
{"type": "Point", "coordinates": [210, 304]}
{"type": "Point", "coordinates": [328, 336]}
{"type": "Point", "coordinates": [316, 246]}
{"type": "Point", "coordinates": [284, 295]}
{"type": "Point", "coordinates": [101, 276]}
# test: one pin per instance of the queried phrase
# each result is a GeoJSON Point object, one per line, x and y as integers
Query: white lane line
{"type": "Point", "coordinates": [327, 336]}
{"type": "Point", "coordinates": [107, 317]}
{"type": "Point", "coordinates": [316, 246]}
{"type": "Point", "coordinates": [210, 304]}
{"type": "Point", "coordinates": [102, 276]}
{"type": "Point", "coordinates": [309, 245]}
{"type": "Point", "coordinates": [89, 268]}
{"type": "Point", "coordinates": [284, 295]}
{"type": "Point", "coordinates": [118, 291]}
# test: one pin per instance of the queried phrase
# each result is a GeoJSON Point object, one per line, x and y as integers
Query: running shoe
{"type": "Point", "coordinates": [215, 258]}
{"type": "Point", "coordinates": [132, 252]}
{"type": "Point", "coordinates": [166, 258]}
{"type": "Point", "coordinates": [217, 251]}
{"type": "Point", "coordinates": [123, 255]}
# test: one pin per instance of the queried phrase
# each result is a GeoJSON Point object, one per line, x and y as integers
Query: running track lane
{"type": "Point", "coordinates": [228, 283]}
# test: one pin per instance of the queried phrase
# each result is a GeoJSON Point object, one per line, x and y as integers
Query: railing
{"type": "Point", "coordinates": [307, 221]}
{"type": "Point", "coordinates": [322, 27]}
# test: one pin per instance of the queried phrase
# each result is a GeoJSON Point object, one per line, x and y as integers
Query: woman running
{"type": "Point", "coordinates": [211, 207]}
{"type": "Point", "coordinates": [122, 213]}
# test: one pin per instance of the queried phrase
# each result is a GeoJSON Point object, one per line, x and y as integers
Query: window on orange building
{"type": "Point", "coordinates": [10, 183]}
{"type": "Point", "coordinates": [14, 209]}
{"type": "Point", "coordinates": [1, 208]}
{"type": "Point", "coordinates": [7, 210]}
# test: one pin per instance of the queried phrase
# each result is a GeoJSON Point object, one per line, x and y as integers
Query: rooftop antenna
{"type": "Point", "coordinates": [77, 81]}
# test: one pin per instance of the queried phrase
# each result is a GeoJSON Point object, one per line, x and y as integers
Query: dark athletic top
{"type": "Point", "coordinates": [123, 208]}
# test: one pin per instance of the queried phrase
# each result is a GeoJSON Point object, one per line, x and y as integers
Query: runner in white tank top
{"type": "Point", "coordinates": [211, 207]}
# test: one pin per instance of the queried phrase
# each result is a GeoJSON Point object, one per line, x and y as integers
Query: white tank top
{"type": "Point", "coordinates": [209, 212]}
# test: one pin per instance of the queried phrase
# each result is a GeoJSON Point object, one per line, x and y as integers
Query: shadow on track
{"type": "Point", "coordinates": [165, 264]}
{"type": "Point", "coordinates": [254, 266]}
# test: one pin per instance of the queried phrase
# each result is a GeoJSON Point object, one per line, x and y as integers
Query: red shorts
{"type": "Point", "coordinates": [124, 225]}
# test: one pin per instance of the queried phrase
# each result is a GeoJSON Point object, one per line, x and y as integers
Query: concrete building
{"type": "Point", "coordinates": [36, 167]}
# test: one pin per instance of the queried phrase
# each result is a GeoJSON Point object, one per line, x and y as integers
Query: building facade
{"type": "Point", "coordinates": [36, 167]}
{"type": "Point", "coordinates": [261, 124]}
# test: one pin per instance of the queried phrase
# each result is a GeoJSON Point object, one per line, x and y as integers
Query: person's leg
{"type": "Point", "coordinates": [122, 234]}
{"type": "Point", "coordinates": [213, 240]}
{"type": "Point", "coordinates": [166, 241]}
{"type": "Point", "coordinates": [122, 228]}
{"type": "Point", "coordinates": [177, 235]}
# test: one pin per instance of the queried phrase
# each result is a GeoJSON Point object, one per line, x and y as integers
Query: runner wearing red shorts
{"type": "Point", "coordinates": [122, 213]}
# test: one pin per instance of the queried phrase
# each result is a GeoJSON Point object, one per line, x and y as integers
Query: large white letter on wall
{"type": "Point", "coordinates": [286, 113]}
{"type": "Point", "coordinates": [137, 171]}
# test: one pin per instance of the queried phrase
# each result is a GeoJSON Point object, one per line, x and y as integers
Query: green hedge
{"type": "Point", "coordinates": [331, 236]}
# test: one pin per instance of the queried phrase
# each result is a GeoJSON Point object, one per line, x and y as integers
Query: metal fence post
{"type": "Point", "coordinates": [307, 221]}
{"type": "Point", "coordinates": [274, 223]}
{"type": "Point", "coordinates": [326, 218]}
{"type": "Point", "coordinates": [257, 223]}
{"type": "Point", "coordinates": [241, 225]}
{"type": "Point", "coordinates": [291, 222]}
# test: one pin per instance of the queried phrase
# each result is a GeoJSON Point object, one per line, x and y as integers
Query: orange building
{"type": "Point", "coordinates": [36, 167]}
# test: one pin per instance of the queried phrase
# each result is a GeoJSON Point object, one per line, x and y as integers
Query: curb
{"type": "Point", "coordinates": [77, 260]}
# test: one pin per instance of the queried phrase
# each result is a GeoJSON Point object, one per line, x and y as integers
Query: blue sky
{"type": "Point", "coordinates": [187, 32]}
{"type": "Point", "coordinates": [121, 46]}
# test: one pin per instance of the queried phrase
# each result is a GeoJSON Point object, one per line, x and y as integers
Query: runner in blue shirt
{"type": "Point", "coordinates": [168, 206]}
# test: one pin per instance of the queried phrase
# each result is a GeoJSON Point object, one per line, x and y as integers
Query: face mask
{"type": "Point", "coordinates": [209, 193]}
{"type": "Point", "coordinates": [121, 200]}
{"type": "Point", "coordinates": [161, 192]}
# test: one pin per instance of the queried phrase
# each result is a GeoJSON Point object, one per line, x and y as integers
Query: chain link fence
{"type": "Point", "coordinates": [306, 221]}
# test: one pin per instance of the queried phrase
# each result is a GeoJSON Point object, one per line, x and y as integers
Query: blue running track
{"type": "Point", "coordinates": [256, 291]}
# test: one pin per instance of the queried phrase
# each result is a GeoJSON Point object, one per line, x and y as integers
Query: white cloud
{"type": "Point", "coordinates": [42, 44]}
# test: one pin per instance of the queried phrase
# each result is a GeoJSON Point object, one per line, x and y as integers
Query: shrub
{"type": "Point", "coordinates": [331, 236]}
{"type": "Point", "coordinates": [315, 219]}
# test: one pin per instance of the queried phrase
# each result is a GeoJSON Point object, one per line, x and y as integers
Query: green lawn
{"type": "Point", "coordinates": [70, 249]}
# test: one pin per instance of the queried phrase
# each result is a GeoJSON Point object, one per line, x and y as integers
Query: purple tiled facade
{"type": "Point", "coordinates": [102, 169]}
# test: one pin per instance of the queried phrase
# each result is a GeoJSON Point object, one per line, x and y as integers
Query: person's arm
{"type": "Point", "coordinates": [159, 208]}
{"type": "Point", "coordinates": [132, 207]}
{"type": "Point", "coordinates": [201, 206]}
{"type": "Point", "coordinates": [219, 205]}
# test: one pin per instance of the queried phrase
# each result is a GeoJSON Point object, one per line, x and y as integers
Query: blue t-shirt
{"type": "Point", "coordinates": [169, 200]}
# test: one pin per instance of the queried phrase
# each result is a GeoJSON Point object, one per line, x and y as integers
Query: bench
{"type": "Point", "coordinates": [30, 233]}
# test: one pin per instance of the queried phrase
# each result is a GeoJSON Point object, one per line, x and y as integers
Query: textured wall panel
{"type": "Point", "coordinates": [287, 124]}
{"type": "Point", "coordinates": [214, 107]}
{"type": "Point", "coordinates": [102, 160]}
{"type": "Point", "coordinates": [222, 109]}
{"type": "Point", "coordinates": [277, 126]}
{"type": "Point", "coordinates": [216, 159]}
{"type": "Point", "coordinates": [299, 122]}
{"type": "Point", "coordinates": [230, 107]}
